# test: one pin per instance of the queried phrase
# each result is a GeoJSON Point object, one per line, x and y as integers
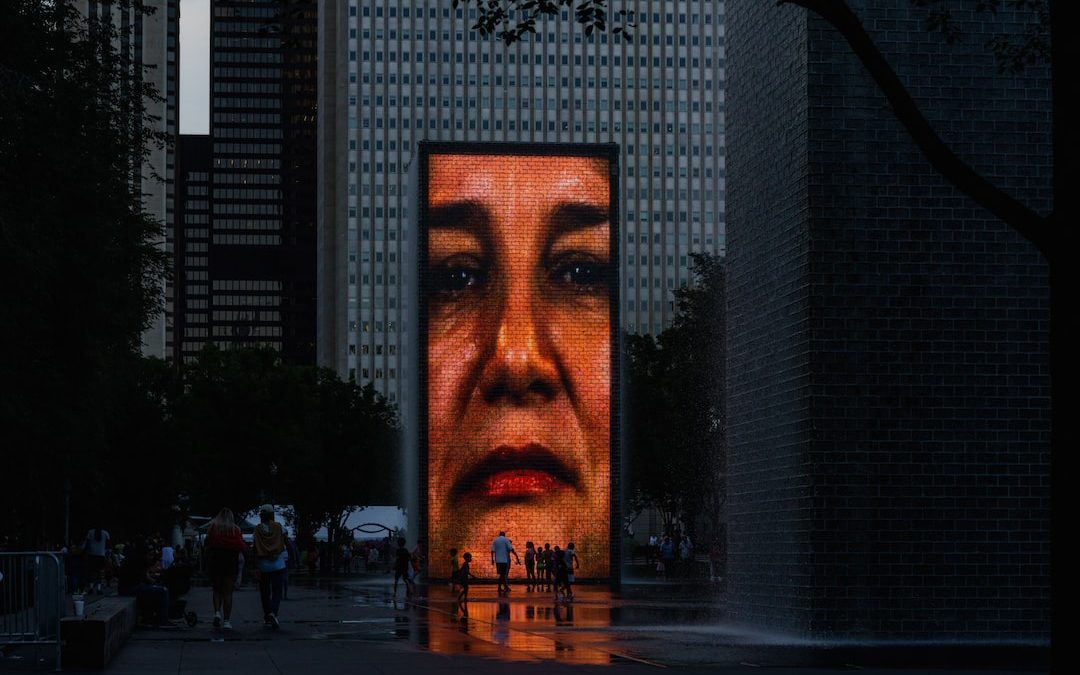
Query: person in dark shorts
{"type": "Point", "coordinates": [501, 548]}
{"type": "Point", "coordinates": [403, 568]}
{"type": "Point", "coordinates": [223, 546]}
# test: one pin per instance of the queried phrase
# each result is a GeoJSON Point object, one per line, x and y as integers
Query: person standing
{"type": "Point", "coordinates": [562, 575]}
{"type": "Point", "coordinates": [454, 568]}
{"type": "Point", "coordinates": [269, 545]}
{"type": "Point", "coordinates": [223, 546]}
{"type": "Point", "coordinates": [501, 548]}
{"type": "Point", "coordinates": [716, 557]}
{"type": "Point", "coordinates": [549, 560]}
{"type": "Point", "coordinates": [667, 557]}
{"type": "Point", "coordinates": [686, 554]}
{"type": "Point", "coordinates": [96, 548]}
{"type": "Point", "coordinates": [530, 566]}
{"type": "Point", "coordinates": [572, 563]}
{"type": "Point", "coordinates": [541, 567]}
{"type": "Point", "coordinates": [403, 568]}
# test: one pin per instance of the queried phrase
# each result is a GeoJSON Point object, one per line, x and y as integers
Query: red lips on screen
{"type": "Point", "coordinates": [518, 289]}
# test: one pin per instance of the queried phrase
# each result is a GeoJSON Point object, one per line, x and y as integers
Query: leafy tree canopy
{"type": "Point", "coordinates": [80, 257]}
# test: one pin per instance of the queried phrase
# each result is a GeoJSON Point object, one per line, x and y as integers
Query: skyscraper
{"type": "Point", "coordinates": [191, 240]}
{"type": "Point", "coordinates": [395, 73]}
{"type": "Point", "coordinates": [256, 264]}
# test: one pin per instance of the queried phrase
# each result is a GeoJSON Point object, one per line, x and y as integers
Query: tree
{"type": "Point", "coordinates": [675, 406]}
{"type": "Point", "coordinates": [255, 429]}
{"type": "Point", "coordinates": [354, 462]}
{"type": "Point", "coordinates": [78, 252]}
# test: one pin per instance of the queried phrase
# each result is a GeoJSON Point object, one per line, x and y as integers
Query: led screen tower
{"type": "Point", "coordinates": [518, 283]}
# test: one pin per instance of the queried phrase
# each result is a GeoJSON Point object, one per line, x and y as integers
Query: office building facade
{"type": "Point", "coordinates": [246, 266]}
{"type": "Point", "coordinates": [153, 47]}
{"type": "Point", "coordinates": [393, 74]}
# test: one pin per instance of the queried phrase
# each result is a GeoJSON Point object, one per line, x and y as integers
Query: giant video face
{"type": "Point", "coordinates": [518, 279]}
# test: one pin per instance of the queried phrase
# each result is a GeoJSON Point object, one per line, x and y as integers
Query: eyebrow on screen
{"type": "Point", "coordinates": [468, 215]}
{"type": "Point", "coordinates": [570, 216]}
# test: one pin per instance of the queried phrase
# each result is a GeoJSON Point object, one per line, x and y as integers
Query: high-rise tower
{"type": "Point", "coordinates": [256, 266]}
{"type": "Point", "coordinates": [395, 73]}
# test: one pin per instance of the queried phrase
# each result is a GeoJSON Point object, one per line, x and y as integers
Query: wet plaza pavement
{"type": "Point", "coordinates": [356, 624]}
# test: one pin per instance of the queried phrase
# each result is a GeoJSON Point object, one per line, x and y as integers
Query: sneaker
{"type": "Point", "coordinates": [274, 622]}
{"type": "Point", "coordinates": [227, 625]}
{"type": "Point", "coordinates": [217, 621]}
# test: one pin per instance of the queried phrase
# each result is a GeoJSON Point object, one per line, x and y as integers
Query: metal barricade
{"type": "Point", "coordinates": [31, 599]}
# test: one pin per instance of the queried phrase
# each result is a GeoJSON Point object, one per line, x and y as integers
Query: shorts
{"type": "Point", "coordinates": [502, 568]}
{"type": "Point", "coordinates": [222, 566]}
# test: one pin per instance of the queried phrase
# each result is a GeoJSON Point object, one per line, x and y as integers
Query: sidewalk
{"type": "Point", "coordinates": [354, 624]}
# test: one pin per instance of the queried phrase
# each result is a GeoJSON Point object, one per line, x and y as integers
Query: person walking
{"type": "Point", "coordinates": [269, 545]}
{"type": "Point", "coordinates": [223, 546]}
{"type": "Point", "coordinates": [463, 575]}
{"type": "Point", "coordinates": [501, 548]}
{"type": "Point", "coordinates": [96, 548]}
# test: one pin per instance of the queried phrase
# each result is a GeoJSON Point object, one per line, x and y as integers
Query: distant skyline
{"type": "Point", "coordinates": [194, 66]}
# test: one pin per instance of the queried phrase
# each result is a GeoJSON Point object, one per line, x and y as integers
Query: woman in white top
{"type": "Point", "coordinates": [96, 547]}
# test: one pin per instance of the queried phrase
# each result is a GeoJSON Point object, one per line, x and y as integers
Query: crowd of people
{"type": "Point", "coordinates": [157, 572]}
{"type": "Point", "coordinates": [547, 568]}
{"type": "Point", "coordinates": [673, 555]}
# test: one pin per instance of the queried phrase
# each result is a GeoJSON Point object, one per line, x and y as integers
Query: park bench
{"type": "Point", "coordinates": [93, 639]}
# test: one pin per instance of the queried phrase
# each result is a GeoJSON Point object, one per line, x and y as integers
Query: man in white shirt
{"type": "Point", "coordinates": [501, 548]}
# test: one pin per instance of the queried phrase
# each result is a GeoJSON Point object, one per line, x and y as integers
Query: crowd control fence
{"type": "Point", "coordinates": [31, 599]}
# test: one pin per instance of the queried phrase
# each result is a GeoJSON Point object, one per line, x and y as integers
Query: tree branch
{"type": "Point", "coordinates": [1029, 224]}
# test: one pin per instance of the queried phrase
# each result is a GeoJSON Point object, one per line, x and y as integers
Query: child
{"type": "Point", "coordinates": [562, 575]}
{"type": "Point", "coordinates": [463, 578]}
{"type": "Point", "coordinates": [530, 565]}
{"type": "Point", "coordinates": [541, 567]}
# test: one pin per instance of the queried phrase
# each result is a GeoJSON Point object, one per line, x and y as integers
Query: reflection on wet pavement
{"type": "Point", "coordinates": [523, 627]}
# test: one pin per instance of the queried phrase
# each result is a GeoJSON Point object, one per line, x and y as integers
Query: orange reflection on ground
{"type": "Point", "coordinates": [521, 630]}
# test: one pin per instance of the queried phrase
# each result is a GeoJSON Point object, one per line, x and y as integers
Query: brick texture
{"type": "Point", "coordinates": [888, 359]}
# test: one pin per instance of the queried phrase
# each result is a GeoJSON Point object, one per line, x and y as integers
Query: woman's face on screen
{"type": "Point", "coordinates": [519, 284]}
